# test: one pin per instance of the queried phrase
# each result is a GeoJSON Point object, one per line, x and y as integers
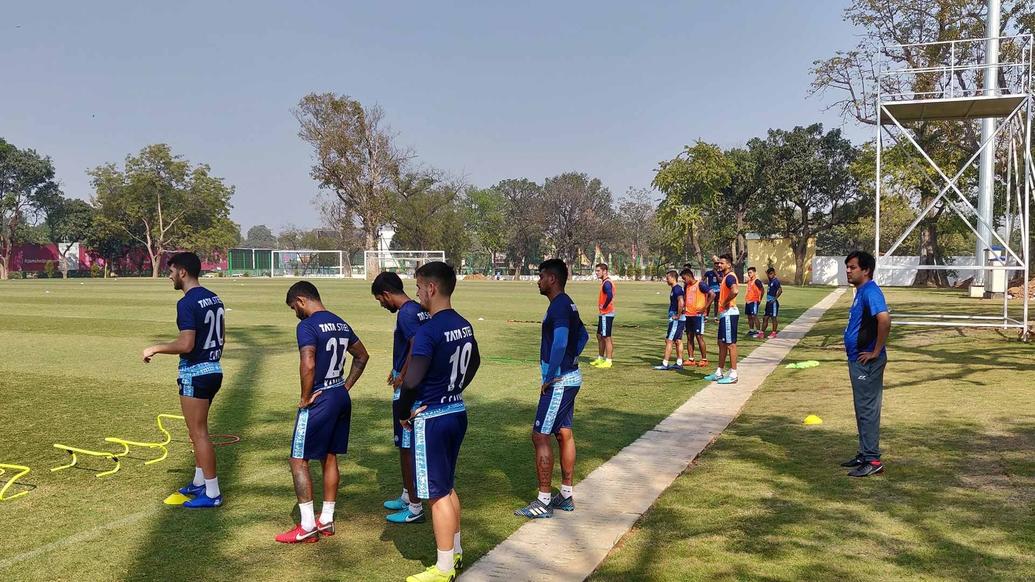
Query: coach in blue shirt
{"type": "Point", "coordinates": [865, 339]}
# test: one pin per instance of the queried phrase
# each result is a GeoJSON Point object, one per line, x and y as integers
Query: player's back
{"type": "Point", "coordinates": [331, 337]}
{"type": "Point", "coordinates": [409, 318]}
{"type": "Point", "coordinates": [448, 340]}
{"type": "Point", "coordinates": [202, 311]}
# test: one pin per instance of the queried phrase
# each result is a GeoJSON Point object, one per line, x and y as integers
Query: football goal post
{"type": "Point", "coordinates": [249, 262]}
{"type": "Point", "coordinates": [404, 263]}
{"type": "Point", "coordinates": [307, 263]}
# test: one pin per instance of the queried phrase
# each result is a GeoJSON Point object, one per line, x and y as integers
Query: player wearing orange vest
{"type": "Point", "coordinates": [754, 297]}
{"type": "Point", "coordinates": [698, 298]}
{"type": "Point", "coordinates": [605, 319]}
{"type": "Point", "coordinates": [728, 316]}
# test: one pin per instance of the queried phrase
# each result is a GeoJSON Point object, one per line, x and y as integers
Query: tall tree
{"type": "Point", "coordinates": [524, 210]}
{"type": "Point", "coordinates": [811, 189]}
{"type": "Point", "coordinates": [636, 216]}
{"type": "Point", "coordinates": [27, 189]}
{"type": "Point", "coordinates": [428, 214]}
{"type": "Point", "coordinates": [111, 242]}
{"type": "Point", "coordinates": [575, 207]}
{"type": "Point", "coordinates": [164, 203]}
{"type": "Point", "coordinates": [356, 157]}
{"type": "Point", "coordinates": [69, 222]}
{"type": "Point", "coordinates": [487, 220]}
{"type": "Point", "coordinates": [259, 237]}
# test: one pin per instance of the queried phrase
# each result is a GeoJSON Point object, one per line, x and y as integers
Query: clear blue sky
{"type": "Point", "coordinates": [483, 90]}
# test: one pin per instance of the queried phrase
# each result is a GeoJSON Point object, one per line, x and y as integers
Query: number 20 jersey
{"type": "Point", "coordinates": [448, 340]}
{"type": "Point", "coordinates": [331, 337]}
{"type": "Point", "coordinates": [201, 311]}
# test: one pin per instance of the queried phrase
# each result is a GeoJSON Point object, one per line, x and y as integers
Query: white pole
{"type": "Point", "coordinates": [986, 166]}
{"type": "Point", "coordinates": [880, 145]}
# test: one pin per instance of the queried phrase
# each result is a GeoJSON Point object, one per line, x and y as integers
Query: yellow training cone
{"type": "Point", "coordinates": [812, 419]}
{"type": "Point", "coordinates": [176, 499]}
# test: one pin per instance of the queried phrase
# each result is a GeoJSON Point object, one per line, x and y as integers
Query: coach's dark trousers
{"type": "Point", "coordinates": [867, 392]}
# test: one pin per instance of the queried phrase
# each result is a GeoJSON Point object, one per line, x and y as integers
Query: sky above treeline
{"type": "Point", "coordinates": [480, 90]}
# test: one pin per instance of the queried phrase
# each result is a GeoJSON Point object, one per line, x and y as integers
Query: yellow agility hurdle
{"type": "Point", "coordinates": [75, 459]}
{"type": "Point", "coordinates": [151, 445]}
{"type": "Point", "coordinates": [21, 472]}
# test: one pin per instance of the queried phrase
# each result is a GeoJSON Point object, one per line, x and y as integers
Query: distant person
{"type": "Point", "coordinates": [388, 290]}
{"type": "Point", "coordinates": [605, 319]}
{"type": "Point", "coordinates": [443, 362]}
{"type": "Point", "coordinates": [676, 322]}
{"type": "Point", "coordinates": [711, 279]}
{"type": "Point", "coordinates": [728, 317]}
{"type": "Point", "coordinates": [563, 338]}
{"type": "Point", "coordinates": [324, 413]}
{"type": "Point", "coordinates": [697, 298]}
{"type": "Point", "coordinates": [772, 303]}
{"type": "Point", "coordinates": [866, 337]}
{"type": "Point", "coordinates": [754, 297]}
{"type": "Point", "coordinates": [199, 317]}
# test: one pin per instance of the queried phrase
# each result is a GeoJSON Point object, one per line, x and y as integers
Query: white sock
{"type": "Point", "coordinates": [212, 487]}
{"type": "Point", "coordinates": [718, 372]}
{"type": "Point", "coordinates": [566, 491]}
{"type": "Point", "coordinates": [664, 362]}
{"type": "Point", "coordinates": [415, 508]}
{"type": "Point", "coordinates": [308, 518]}
{"type": "Point", "coordinates": [199, 477]}
{"type": "Point", "coordinates": [327, 512]}
{"type": "Point", "coordinates": [608, 360]}
{"type": "Point", "coordinates": [406, 496]}
{"type": "Point", "coordinates": [445, 560]}
{"type": "Point", "coordinates": [733, 374]}
{"type": "Point", "coordinates": [545, 497]}
{"type": "Point", "coordinates": [679, 362]}
{"type": "Point", "coordinates": [456, 544]}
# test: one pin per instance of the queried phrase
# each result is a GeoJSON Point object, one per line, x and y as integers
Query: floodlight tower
{"type": "Point", "coordinates": [986, 165]}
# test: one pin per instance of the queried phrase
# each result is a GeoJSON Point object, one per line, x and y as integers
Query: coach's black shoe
{"type": "Point", "coordinates": [867, 469]}
{"type": "Point", "coordinates": [853, 462]}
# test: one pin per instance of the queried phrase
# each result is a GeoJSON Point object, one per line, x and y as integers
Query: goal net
{"type": "Point", "coordinates": [404, 263]}
{"type": "Point", "coordinates": [249, 262]}
{"type": "Point", "coordinates": [307, 263]}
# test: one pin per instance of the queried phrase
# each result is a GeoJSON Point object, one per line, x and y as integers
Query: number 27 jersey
{"type": "Point", "coordinates": [331, 337]}
{"type": "Point", "coordinates": [448, 340]}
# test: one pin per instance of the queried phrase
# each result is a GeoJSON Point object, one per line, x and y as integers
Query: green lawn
{"type": "Point", "coordinates": [70, 372]}
{"type": "Point", "coordinates": [768, 501]}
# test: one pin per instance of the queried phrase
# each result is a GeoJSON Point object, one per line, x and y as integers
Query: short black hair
{"type": "Point", "coordinates": [866, 261]}
{"type": "Point", "coordinates": [752, 269]}
{"type": "Point", "coordinates": [187, 261]}
{"type": "Point", "coordinates": [302, 289]}
{"type": "Point", "coordinates": [686, 272]}
{"type": "Point", "coordinates": [557, 268]}
{"type": "Point", "coordinates": [672, 273]}
{"type": "Point", "coordinates": [688, 266]}
{"type": "Point", "coordinates": [770, 270]}
{"type": "Point", "coordinates": [728, 257]}
{"type": "Point", "coordinates": [386, 282]}
{"type": "Point", "coordinates": [441, 273]}
{"type": "Point", "coordinates": [602, 266]}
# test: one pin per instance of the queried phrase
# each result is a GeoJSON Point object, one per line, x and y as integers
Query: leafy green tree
{"type": "Point", "coordinates": [69, 221]}
{"type": "Point", "coordinates": [525, 221]}
{"type": "Point", "coordinates": [111, 242]}
{"type": "Point", "coordinates": [487, 220]}
{"type": "Point", "coordinates": [575, 208]}
{"type": "Point", "coordinates": [164, 203]}
{"type": "Point", "coordinates": [27, 189]}
{"type": "Point", "coordinates": [429, 215]}
{"type": "Point", "coordinates": [259, 237]}
{"type": "Point", "coordinates": [637, 224]}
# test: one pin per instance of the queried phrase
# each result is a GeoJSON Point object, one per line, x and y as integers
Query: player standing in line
{"type": "Point", "coordinates": [676, 322]}
{"type": "Point", "coordinates": [563, 338]}
{"type": "Point", "coordinates": [388, 289]}
{"type": "Point", "coordinates": [754, 297]}
{"type": "Point", "coordinates": [443, 361]}
{"type": "Point", "coordinates": [728, 316]}
{"type": "Point", "coordinates": [697, 299]}
{"type": "Point", "coordinates": [606, 318]}
{"type": "Point", "coordinates": [772, 303]}
{"type": "Point", "coordinates": [199, 317]}
{"type": "Point", "coordinates": [711, 279]}
{"type": "Point", "coordinates": [324, 409]}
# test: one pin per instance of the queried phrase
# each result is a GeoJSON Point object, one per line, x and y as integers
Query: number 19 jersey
{"type": "Point", "coordinates": [331, 337]}
{"type": "Point", "coordinates": [448, 340]}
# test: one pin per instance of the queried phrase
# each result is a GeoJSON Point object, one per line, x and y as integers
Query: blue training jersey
{"type": "Point", "coordinates": [861, 331]}
{"type": "Point", "coordinates": [562, 317]}
{"type": "Point", "coordinates": [202, 311]}
{"type": "Point", "coordinates": [410, 317]}
{"type": "Point", "coordinates": [447, 339]}
{"type": "Point", "coordinates": [711, 279]}
{"type": "Point", "coordinates": [673, 299]}
{"type": "Point", "coordinates": [774, 286]}
{"type": "Point", "coordinates": [331, 337]}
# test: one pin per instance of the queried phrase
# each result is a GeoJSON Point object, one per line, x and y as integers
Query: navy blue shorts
{"type": "Point", "coordinates": [605, 324]}
{"type": "Point", "coordinates": [695, 325]}
{"type": "Point", "coordinates": [772, 308]}
{"type": "Point", "coordinates": [728, 328]}
{"type": "Point", "coordinates": [200, 380]}
{"type": "Point", "coordinates": [323, 428]}
{"type": "Point", "coordinates": [556, 409]}
{"type": "Point", "coordinates": [751, 308]}
{"type": "Point", "coordinates": [676, 328]}
{"type": "Point", "coordinates": [437, 436]}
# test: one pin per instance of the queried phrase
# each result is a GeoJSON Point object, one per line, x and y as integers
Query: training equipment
{"type": "Point", "coordinates": [812, 419]}
{"type": "Point", "coordinates": [404, 263]}
{"type": "Point", "coordinates": [20, 471]}
{"type": "Point", "coordinates": [74, 451]}
{"type": "Point", "coordinates": [155, 445]}
{"type": "Point", "coordinates": [249, 262]}
{"type": "Point", "coordinates": [308, 264]}
{"type": "Point", "coordinates": [802, 365]}
{"type": "Point", "coordinates": [178, 498]}
{"type": "Point", "coordinates": [397, 504]}
{"type": "Point", "coordinates": [192, 489]}
{"type": "Point", "coordinates": [726, 380]}
{"type": "Point", "coordinates": [559, 502]}
{"type": "Point", "coordinates": [535, 510]}
{"type": "Point", "coordinates": [325, 529]}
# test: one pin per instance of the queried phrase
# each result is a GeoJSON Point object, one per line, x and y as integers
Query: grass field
{"type": "Point", "coordinates": [768, 501]}
{"type": "Point", "coordinates": [70, 372]}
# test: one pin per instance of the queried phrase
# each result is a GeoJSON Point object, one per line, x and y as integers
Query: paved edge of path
{"type": "Point", "coordinates": [571, 545]}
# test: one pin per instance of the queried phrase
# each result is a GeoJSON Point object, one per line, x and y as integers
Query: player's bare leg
{"type": "Point", "coordinates": [609, 348]}
{"type": "Point", "coordinates": [406, 464]}
{"type": "Point", "coordinates": [566, 445]}
{"type": "Point", "coordinates": [543, 461]}
{"type": "Point", "coordinates": [195, 413]}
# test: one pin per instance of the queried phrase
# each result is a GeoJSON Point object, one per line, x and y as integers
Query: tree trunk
{"type": "Point", "coordinates": [517, 267]}
{"type": "Point", "coordinates": [3, 266]}
{"type": "Point", "coordinates": [155, 264]}
{"type": "Point", "coordinates": [929, 255]}
{"type": "Point", "coordinates": [800, 247]}
{"type": "Point", "coordinates": [107, 268]}
{"type": "Point", "coordinates": [695, 243]}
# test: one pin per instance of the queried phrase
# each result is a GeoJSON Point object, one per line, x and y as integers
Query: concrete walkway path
{"type": "Point", "coordinates": [614, 496]}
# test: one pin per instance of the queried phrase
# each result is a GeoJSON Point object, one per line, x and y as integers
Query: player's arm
{"type": "Point", "coordinates": [306, 374]}
{"type": "Point", "coordinates": [681, 306]}
{"type": "Point", "coordinates": [360, 357]}
{"type": "Point", "coordinates": [395, 383]}
{"type": "Point", "coordinates": [779, 292]}
{"type": "Point", "coordinates": [560, 345]}
{"type": "Point", "coordinates": [883, 329]}
{"type": "Point", "coordinates": [416, 370]}
{"type": "Point", "coordinates": [609, 294]}
{"type": "Point", "coordinates": [474, 363]}
{"type": "Point", "coordinates": [184, 343]}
